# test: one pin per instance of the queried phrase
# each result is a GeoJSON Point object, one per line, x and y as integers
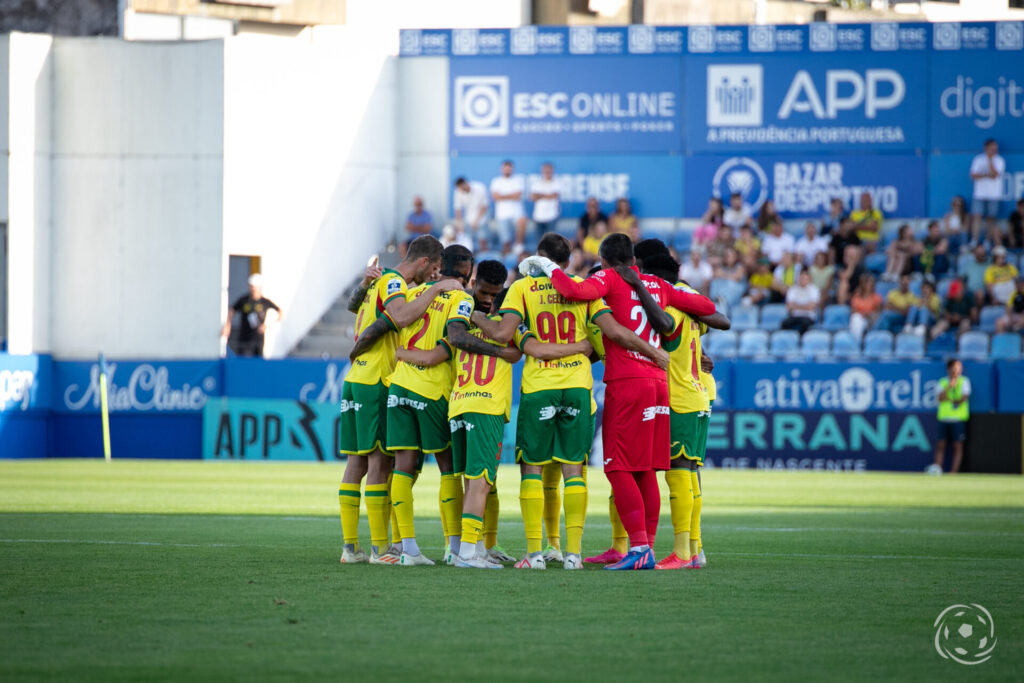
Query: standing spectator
{"type": "Point", "coordinates": [544, 194]}
{"type": "Point", "coordinates": [254, 308]}
{"type": "Point", "coordinates": [1015, 226]}
{"type": "Point", "coordinates": [898, 303]}
{"type": "Point", "coordinates": [716, 248]}
{"type": "Point", "coordinates": [731, 268]}
{"type": "Point", "coordinates": [1000, 277]}
{"type": "Point", "coordinates": [707, 229]}
{"type": "Point", "coordinates": [865, 306]}
{"type": "Point", "coordinates": [954, 396]}
{"type": "Point", "coordinates": [974, 275]}
{"type": "Point", "coordinates": [810, 245]}
{"type": "Point", "coordinates": [934, 256]}
{"type": "Point", "coordinates": [418, 222]}
{"type": "Point", "coordinates": [470, 204]}
{"type": "Point", "coordinates": [851, 273]}
{"type": "Point", "coordinates": [784, 276]}
{"type": "Point", "coordinates": [623, 220]}
{"type": "Point", "coordinates": [867, 221]}
{"type": "Point", "coordinates": [802, 302]}
{"type": "Point", "coordinates": [767, 217]}
{"type": "Point", "coordinates": [956, 224]}
{"type": "Point", "coordinates": [697, 272]}
{"type": "Point", "coordinates": [749, 248]}
{"type": "Point", "coordinates": [900, 254]}
{"type": "Point", "coordinates": [1014, 318]}
{"type": "Point", "coordinates": [776, 243]}
{"type": "Point", "coordinates": [823, 274]}
{"type": "Point", "coordinates": [957, 311]}
{"type": "Point", "coordinates": [760, 284]}
{"type": "Point", "coordinates": [836, 214]}
{"type": "Point", "coordinates": [926, 312]}
{"type": "Point", "coordinates": [987, 171]}
{"type": "Point", "coordinates": [507, 192]}
{"type": "Point", "coordinates": [592, 213]}
{"type": "Point", "coordinates": [738, 214]}
{"type": "Point", "coordinates": [844, 237]}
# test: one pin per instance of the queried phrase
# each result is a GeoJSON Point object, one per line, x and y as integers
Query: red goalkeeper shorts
{"type": "Point", "coordinates": [636, 427]}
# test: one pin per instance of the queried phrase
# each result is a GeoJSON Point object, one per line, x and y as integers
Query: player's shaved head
{"type": "Point", "coordinates": [645, 249]}
{"type": "Point", "coordinates": [617, 250]}
{"type": "Point", "coordinates": [556, 247]}
{"type": "Point", "coordinates": [663, 266]}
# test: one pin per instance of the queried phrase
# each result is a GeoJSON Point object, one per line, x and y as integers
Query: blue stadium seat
{"type": "Point", "coordinates": [989, 316]}
{"type": "Point", "coordinates": [682, 241]}
{"type": "Point", "coordinates": [876, 262]}
{"type": "Point", "coordinates": [815, 344]}
{"type": "Point", "coordinates": [883, 288]}
{"type": "Point", "coordinates": [745, 318]}
{"type": "Point", "coordinates": [488, 256]}
{"type": "Point", "coordinates": [1006, 346]}
{"type": "Point", "coordinates": [728, 290]}
{"type": "Point", "coordinates": [836, 318]}
{"type": "Point", "coordinates": [753, 343]}
{"type": "Point", "coordinates": [784, 343]}
{"type": "Point", "coordinates": [943, 345]}
{"type": "Point", "coordinates": [721, 343]}
{"type": "Point", "coordinates": [942, 288]}
{"type": "Point", "coordinates": [962, 260]}
{"type": "Point", "coordinates": [878, 344]}
{"type": "Point", "coordinates": [915, 285]}
{"type": "Point", "coordinates": [909, 346]}
{"type": "Point", "coordinates": [845, 345]}
{"type": "Point", "coordinates": [973, 344]}
{"type": "Point", "coordinates": [772, 316]}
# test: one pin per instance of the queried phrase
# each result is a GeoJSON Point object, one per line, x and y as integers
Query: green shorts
{"type": "Point", "coordinates": [416, 423]}
{"type": "Point", "coordinates": [554, 424]}
{"type": "Point", "coordinates": [689, 437]}
{"type": "Point", "coordinates": [476, 444]}
{"type": "Point", "coordinates": [363, 418]}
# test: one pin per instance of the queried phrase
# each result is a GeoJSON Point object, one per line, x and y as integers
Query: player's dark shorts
{"type": "Point", "coordinates": [476, 444]}
{"type": "Point", "coordinates": [636, 427]}
{"type": "Point", "coordinates": [953, 431]}
{"type": "Point", "coordinates": [363, 418]}
{"type": "Point", "coordinates": [554, 424]}
{"type": "Point", "coordinates": [416, 423]}
{"type": "Point", "coordinates": [689, 437]}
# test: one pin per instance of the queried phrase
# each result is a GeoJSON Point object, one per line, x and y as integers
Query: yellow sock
{"type": "Point", "coordinates": [491, 519]}
{"type": "Point", "coordinates": [531, 500]}
{"type": "Point", "coordinates": [575, 513]}
{"type": "Point", "coordinates": [551, 476]}
{"type": "Point", "coordinates": [471, 527]}
{"type": "Point", "coordinates": [695, 517]}
{"type": "Point", "coordinates": [680, 496]}
{"type": "Point", "coordinates": [620, 539]}
{"type": "Point", "coordinates": [451, 503]}
{"type": "Point", "coordinates": [401, 503]}
{"type": "Point", "coordinates": [378, 508]}
{"type": "Point", "coordinates": [348, 498]}
{"type": "Point", "coordinates": [396, 537]}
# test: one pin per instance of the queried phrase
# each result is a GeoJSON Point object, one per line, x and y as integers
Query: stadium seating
{"type": "Point", "coordinates": [815, 344]}
{"type": "Point", "coordinates": [973, 345]}
{"type": "Point", "coordinates": [753, 343]}
{"type": "Point", "coordinates": [989, 316]}
{"type": "Point", "coordinates": [909, 346]}
{"type": "Point", "coordinates": [878, 344]}
{"type": "Point", "coordinates": [943, 345]}
{"type": "Point", "coordinates": [883, 288]}
{"type": "Point", "coordinates": [785, 343]}
{"type": "Point", "coordinates": [915, 284]}
{"type": "Point", "coordinates": [845, 345]}
{"type": "Point", "coordinates": [962, 260]}
{"type": "Point", "coordinates": [1006, 346]}
{"type": "Point", "coordinates": [745, 318]}
{"type": "Point", "coordinates": [836, 318]}
{"type": "Point", "coordinates": [772, 316]}
{"type": "Point", "coordinates": [721, 343]}
{"type": "Point", "coordinates": [876, 262]}
{"type": "Point", "coordinates": [683, 241]}
{"type": "Point", "coordinates": [942, 289]}
{"type": "Point", "coordinates": [728, 290]}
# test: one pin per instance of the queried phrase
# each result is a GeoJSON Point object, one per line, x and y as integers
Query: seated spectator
{"type": "Point", "coordinates": [974, 275]}
{"type": "Point", "coordinates": [822, 275]}
{"type": "Point", "coordinates": [697, 272]}
{"type": "Point", "coordinates": [934, 256]}
{"type": "Point", "coordinates": [716, 248]}
{"type": "Point", "coordinates": [738, 214]}
{"type": "Point", "coordinates": [865, 306]}
{"type": "Point", "coordinates": [956, 224]}
{"type": "Point", "coordinates": [836, 215]}
{"type": "Point", "coordinates": [900, 254]}
{"type": "Point", "coordinates": [469, 206]}
{"type": "Point", "coordinates": [624, 220]}
{"type": "Point", "coordinates": [850, 275]}
{"type": "Point", "coordinates": [749, 249]}
{"type": "Point", "coordinates": [760, 284]}
{"type": "Point", "coordinates": [923, 315]}
{"type": "Point", "coordinates": [1015, 226]}
{"type": "Point", "coordinates": [591, 214]}
{"type": "Point", "coordinates": [592, 242]}
{"type": "Point", "coordinates": [867, 221]}
{"type": "Point", "coordinates": [1014, 318]}
{"type": "Point", "coordinates": [1000, 277]}
{"type": "Point", "coordinates": [957, 312]}
{"type": "Point", "coordinates": [808, 246]}
{"type": "Point", "coordinates": [802, 302]}
{"type": "Point", "coordinates": [731, 268]}
{"type": "Point", "coordinates": [784, 276]}
{"type": "Point", "coordinates": [776, 243]}
{"type": "Point", "coordinates": [767, 216]}
{"type": "Point", "coordinates": [844, 237]}
{"type": "Point", "coordinates": [418, 222]}
{"type": "Point", "coordinates": [898, 303]}
{"type": "Point", "coordinates": [707, 229]}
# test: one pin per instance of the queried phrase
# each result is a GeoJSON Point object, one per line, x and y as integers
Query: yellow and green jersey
{"type": "Point", "coordinates": [687, 394]}
{"type": "Point", "coordinates": [706, 378]}
{"type": "Point", "coordinates": [377, 364]}
{"type": "Point", "coordinates": [482, 384]}
{"type": "Point", "coordinates": [552, 319]}
{"type": "Point", "coordinates": [436, 381]}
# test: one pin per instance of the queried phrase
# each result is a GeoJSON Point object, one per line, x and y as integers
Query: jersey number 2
{"type": "Point", "coordinates": [639, 314]}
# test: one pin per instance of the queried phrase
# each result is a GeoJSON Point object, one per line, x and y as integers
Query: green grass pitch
{"type": "Point", "coordinates": [141, 570]}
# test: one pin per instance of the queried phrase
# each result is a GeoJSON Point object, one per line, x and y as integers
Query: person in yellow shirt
{"type": "Point", "coordinates": [898, 303]}
{"type": "Point", "coordinates": [1000, 277]}
{"type": "Point", "coordinates": [760, 284]}
{"type": "Point", "coordinates": [953, 413]}
{"type": "Point", "coordinates": [867, 222]}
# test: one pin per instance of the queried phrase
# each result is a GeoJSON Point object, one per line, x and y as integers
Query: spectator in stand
{"type": "Point", "coordinates": [851, 273]}
{"type": "Point", "coordinates": [507, 192]}
{"type": "Point", "coordinates": [934, 256]}
{"type": "Point", "coordinates": [1014, 318]}
{"type": "Point", "coordinates": [716, 248]}
{"type": "Point", "coordinates": [973, 275]}
{"type": "Point", "coordinates": [898, 303]}
{"type": "Point", "coordinates": [418, 222]}
{"type": "Point", "coordinates": [749, 249]}
{"type": "Point", "coordinates": [956, 224]}
{"type": "Point", "coordinates": [867, 221]}
{"type": "Point", "coordinates": [731, 268]}
{"type": "Point", "coordinates": [586, 255]}
{"type": "Point", "coordinates": [767, 217]}
{"type": "Point", "coordinates": [1015, 226]}
{"type": "Point", "coordinates": [957, 311]}
{"type": "Point", "coordinates": [592, 213]}
{"type": "Point", "coordinates": [738, 214]}
{"type": "Point", "coordinates": [697, 272]}
{"type": "Point", "coordinates": [776, 243]}
{"type": "Point", "coordinates": [923, 315]}
{"type": "Point", "coordinates": [623, 220]}
{"type": "Point", "coordinates": [836, 215]}
{"type": "Point", "coordinates": [802, 302]}
{"type": "Point", "coordinates": [707, 229]}
{"type": "Point", "coordinates": [451, 235]}
{"type": "Point", "coordinates": [844, 237]}
{"type": "Point", "coordinates": [1000, 277]}
{"type": "Point", "coordinates": [987, 171]}
{"type": "Point", "coordinates": [810, 245]}
{"type": "Point", "coordinates": [760, 284]}
{"type": "Point", "coordinates": [470, 204]}
{"type": "Point", "coordinates": [900, 254]}
{"type": "Point", "coordinates": [545, 195]}
{"type": "Point", "coordinates": [784, 276]}
{"type": "Point", "coordinates": [823, 274]}
{"type": "Point", "coordinates": [865, 306]}
{"type": "Point", "coordinates": [253, 308]}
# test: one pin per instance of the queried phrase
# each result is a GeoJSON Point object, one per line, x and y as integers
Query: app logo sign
{"type": "Point", "coordinates": [735, 94]}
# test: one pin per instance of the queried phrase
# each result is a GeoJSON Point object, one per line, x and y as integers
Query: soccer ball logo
{"type": "Point", "coordinates": [965, 634]}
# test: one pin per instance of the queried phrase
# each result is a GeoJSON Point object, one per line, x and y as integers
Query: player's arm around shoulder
{"type": "Point", "coordinates": [457, 329]}
{"type": "Point", "coordinates": [427, 359]}
{"type": "Point", "coordinates": [616, 333]}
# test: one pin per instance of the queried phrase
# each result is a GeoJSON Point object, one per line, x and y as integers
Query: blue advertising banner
{"type": "Point", "coordinates": [298, 379]}
{"type": "Point", "coordinates": [1010, 398]}
{"type": "Point", "coordinates": [651, 182]}
{"type": "Point", "coordinates": [802, 185]}
{"type": "Point", "coordinates": [137, 387]}
{"type": "Point", "coordinates": [268, 429]}
{"type": "Point", "coordinates": [977, 85]}
{"type": "Point", "coordinates": [528, 41]}
{"type": "Point", "coordinates": [949, 175]}
{"type": "Point", "coordinates": [547, 104]}
{"type": "Point", "coordinates": [26, 383]}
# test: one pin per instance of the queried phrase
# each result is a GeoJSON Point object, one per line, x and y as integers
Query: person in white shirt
{"type": "Point", "coordinates": [469, 205]}
{"type": "Point", "coordinates": [738, 214]}
{"type": "Point", "coordinates": [544, 194]}
{"type": "Point", "coordinates": [808, 246]}
{"type": "Point", "coordinates": [507, 192]}
{"type": "Point", "coordinates": [776, 243]}
{"type": "Point", "coordinates": [802, 302]}
{"type": "Point", "coordinates": [987, 171]}
{"type": "Point", "coordinates": [697, 272]}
